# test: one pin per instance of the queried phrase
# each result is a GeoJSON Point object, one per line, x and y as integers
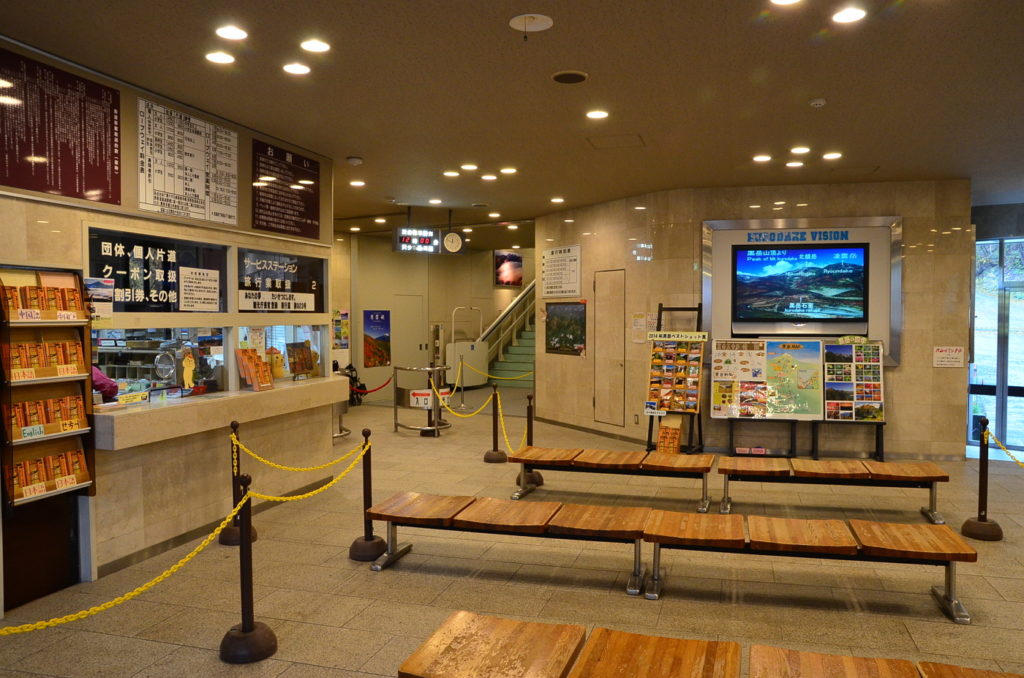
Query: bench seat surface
{"type": "Point", "coordinates": [898, 540]}
{"type": "Point", "coordinates": [472, 645]}
{"type": "Point", "coordinates": [776, 662]}
{"type": "Point", "coordinates": [609, 459]}
{"type": "Point", "coordinates": [933, 670]}
{"type": "Point", "coordinates": [923, 471]}
{"type": "Point", "coordinates": [800, 535]}
{"type": "Point", "coordinates": [413, 508]}
{"type": "Point", "coordinates": [754, 466]}
{"type": "Point", "coordinates": [831, 468]}
{"type": "Point", "coordinates": [612, 522]}
{"type": "Point", "coordinates": [669, 461]}
{"type": "Point", "coordinates": [612, 654]}
{"type": "Point", "coordinates": [712, 530]}
{"type": "Point", "coordinates": [556, 456]}
{"type": "Point", "coordinates": [506, 515]}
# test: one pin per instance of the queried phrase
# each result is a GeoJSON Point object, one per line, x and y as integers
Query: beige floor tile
{"type": "Point", "coordinates": [390, 657]}
{"type": "Point", "coordinates": [941, 637]}
{"type": "Point", "coordinates": [88, 655]}
{"type": "Point", "coordinates": [400, 619]}
{"type": "Point", "coordinates": [191, 661]}
{"type": "Point", "coordinates": [309, 606]}
{"type": "Point", "coordinates": [326, 645]}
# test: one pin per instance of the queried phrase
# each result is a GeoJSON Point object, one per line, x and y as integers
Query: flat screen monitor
{"type": "Point", "coordinates": [821, 283]}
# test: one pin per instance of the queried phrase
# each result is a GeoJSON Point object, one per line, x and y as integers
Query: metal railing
{"type": "Point", "coordinates": [504, 331]}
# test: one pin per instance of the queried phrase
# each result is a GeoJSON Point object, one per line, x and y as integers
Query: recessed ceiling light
{"type": "Point", "coordinates": [958, 228]}
{"type": "Point", "coordinates": [489, 177]}
{"type": "Point", "coordinates": [557, 200]}
{"type": "Point", "coordinates": [55, 230]}
{"type": "Point", "coordinates": [306, 182]}
{"type": "Point", "coordinates": [469, 167]}
{"type": "Point", "coordinates": [220, 58]}
{"type": "Point", "coordinates": [794, 163]}
{"type": "Point", "coordinates": [297, 187]}
{"type": "Point", "coordinates": [35, 158]}
{"type": "Point", "coordinates": [801, 204]}
{"type": "Point", "coordinates": [849, 15]}
{"type": "Point", "coordinates": [354, 229]}
{"type": "Point", "coordinates": [585, 233]}
{"type": "Point", "coordinates": [5, 83]}
{"type": "Point", "coordinates": [513, 227]}
{"type": "Point", "coordinates": [776, 208]}
{"type": "Point", "coordinates": [762, 158]}
{"type": "Point", "coordinates": [639, 207]}
{"type": "Point", "coordinates": [42, 221]}
{"type": "Point", "coordinates": [296, 68]}
{"type": "Point", "coordinates": [779, 202]}
{"type": "Point", "coordinates": [230, 32]}
{"type": "Point", "coordinates": [753, 206]}
{"type": "Point", "coordinates": [314, 45]}
{"type": "Point", "coordinates": [494, 215]}
{"type": "Point", "coordinates": [597, 115]}
{"type": "Point", "coordinates": [340, 239]}
{"type": "Point", "coordinates": [508, 170]}
{"type": "Point", "coordinates": [785, 2]}
{"type": "Point", "coordinates": [515, 247]}
{"type": "Point", "coordinates": [358, 183]}
{"type": "Point", "coordinates": [799, 150]}
{"type": "Point", "coordinates": [832, 155]}
{"type": "Point", "coordinates": [380, 220]}
{"type": "Point", "coordinates": [568, 221]}
{"type": "Point", "coordinates": [467, 230]}
{"type": "Point", "coordinates": [550, 239]}
{"type": "Point", "coordinates": [434, 201]}
{"type": "Point", "coordinates": [9, 101]}
{"type": "Point", "coordinates": [260, 183]}
{"type": "Point", "coordinates": [267, 178]}
{"type": "Point", "coordinates": [450, 173]}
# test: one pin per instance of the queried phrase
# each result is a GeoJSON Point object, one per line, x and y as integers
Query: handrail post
{"type": "Point", "coordinates": [494, 455]}
{"type": "Point", "coordinates": [231, 535]}
{"type": "Point", "coordinates": [981, 527]}
{"type": "Point", "coordinates": [250, 641]}
{"type": "Point", "coordinates": [368, 546]}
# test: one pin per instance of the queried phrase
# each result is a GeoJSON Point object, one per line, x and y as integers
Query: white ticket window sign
{"type": "Point", "coordinates": [199, 289]}
{"type": "Point", "coordinates": [282, 302]}
{"type": "Point", "coordinates": [560, 272]}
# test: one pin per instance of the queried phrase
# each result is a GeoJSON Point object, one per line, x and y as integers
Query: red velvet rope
{"type": "Point", "coordinates": [359, 390]}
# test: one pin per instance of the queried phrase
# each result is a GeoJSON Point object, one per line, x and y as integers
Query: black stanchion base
{"type": "Point", "coordinates": [433, 433]}
{"type": "Point", "coordinates": [495, 457]}
{"type": "Point", "coordinates": [535, 478]}
{"type": "Point", "coordinates": [238, 647]}
{"type": "Point", "coordinates": [985, 530]}
{"type": "Point", "coordinates": [231, 536]}
{"type": "Point", "coordinates": [364, 550]}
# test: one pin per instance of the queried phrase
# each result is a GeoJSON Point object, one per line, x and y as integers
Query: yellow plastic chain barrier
{"type": "Point", "coordinates": [464, 416]}
{"type": "Point", "coordinates": [491, 376]}
{"type": "Point", "coordinates": [313, 493]}
{"type": "Point", "coordinates": [504, 433]}
{"type": "Point", "coordinates": [236, 441]}
{"type": "Point", "coordinates": [989, 434]}
{"type": "Point", "coordinates": [56, 621]}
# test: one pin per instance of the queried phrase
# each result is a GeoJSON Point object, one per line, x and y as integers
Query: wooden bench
{"type": "Point", "coordinates": [637, 463]}
{"type": "Point", "coordinates": [861, 540]}
{"type": "Point", "coordinates": [549, 519]}
{"type": "Point", "coordinates": [776, 662]}
{"type": "Point", "coordinates": [924, 475]}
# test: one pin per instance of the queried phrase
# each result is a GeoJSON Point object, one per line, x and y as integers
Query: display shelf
{"type": "Point", "coordinates": [53, 493]}
{"type": "Point", "coordinates": [18, 442]}
{"type": "Point", "coordinates": [49, 323]}
{"type": "Point", "coordinates": [115, 349]}
{"type": "Point", "coordinates": [49, 380]}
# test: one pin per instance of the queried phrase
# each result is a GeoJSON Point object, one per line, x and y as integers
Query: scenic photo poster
{"type": "Point", "coordinates": [376, 338]}
{"type": "Point", "coordinates": [508, 268]}
{"type": "Point", "coordinates": [853, 382]}
{"type": "Point", "coordinates": [565, 329]}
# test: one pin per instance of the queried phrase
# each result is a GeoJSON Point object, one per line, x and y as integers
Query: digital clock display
{"type": "Point", "coordinates": [423, 240]}
{"type": "Point", "coordinates": [415, 240]}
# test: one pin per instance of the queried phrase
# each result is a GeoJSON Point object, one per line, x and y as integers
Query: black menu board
{"type": "Point", "coordinates": [286, 191]}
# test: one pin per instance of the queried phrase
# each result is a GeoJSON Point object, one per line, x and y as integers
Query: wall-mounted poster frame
{"type": "Point", "coordinates": [565, 328]}
{"type": "Point", "coordinates": [286, 191]}
{"type": "Point", "coordinates": [508, 268]}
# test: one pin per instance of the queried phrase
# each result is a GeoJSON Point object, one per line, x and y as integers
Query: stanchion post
{"type": "Point", "coordinates": [494, 455]}
{"type": "Point", "coordinates": [231, 535]}
{"type": "Point", "coordinates": [534, 477]}
{"type": "Point", "coordinates": [981, 527]}
{"type": "Point", "coordinates": [250, 641]}
{"type": "Point", "coordinates": [462, 387]}
{"type": "Point", "coordinates": [367, 547]}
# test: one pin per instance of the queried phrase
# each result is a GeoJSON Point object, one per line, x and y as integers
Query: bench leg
{"type": "Point", "coordinates": [705, 500]}
{"type": "Point", "coordinates": [653, 591]}
{"type": "Point", "coordinates": [947, 599]}
{"type": "Point", "coordinates": [932, 513]}
{"type": "Point", "coordinates": [636, 578]}
{"type": "Point", "coordinates": [726, 506]}
{"type": "Point", "coordinates": [525, 487]}
{"type": "Point", "coordinates": [393, 552]}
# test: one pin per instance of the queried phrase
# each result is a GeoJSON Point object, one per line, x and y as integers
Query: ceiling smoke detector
{"type": "Point", "coordinates": [819, 102]}
{"type": "Point", "coordinates": [354, 160]}
{"type": "Point", "coordinates": [531, 23]}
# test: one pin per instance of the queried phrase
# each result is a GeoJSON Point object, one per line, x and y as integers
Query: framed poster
{"type": "Point", "coordinates": [376, 338]}
{"type": "Point", "coordinates": [853, 382]}
{"type": "Point", "coordinates": [677, 364]}
{"type": "Point", "coordinates": [286, 191]}
{"type": "Point", "coordinates": [340, 329]}
{"type": "Point", "coordinates": [270, 282]}
{"type": "Point", "coordinates": [508, 268]}
{"type": "Point", "coordinates": [565, 328]}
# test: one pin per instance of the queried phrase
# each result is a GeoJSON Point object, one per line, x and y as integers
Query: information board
{"type": "Point", "coordinates": [677, 361]}
{"type": "Point", "coordinates": [853, 382]}
{"type": "Point", "coordinates": [778, 379]}
{"type": "Point", "coordinates": [188, 167]}
{"type": "Point", "coordinates": [59, 133]}
{"type": "Point", "coordinates": [269, 282]}
{"type": "Point", "coordinates": [286, 191]}
{"type": "Point", "coordinates": [560, 272]}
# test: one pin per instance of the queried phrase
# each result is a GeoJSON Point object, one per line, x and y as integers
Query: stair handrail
{"type": "Point", "coordinates": [508, 322]}
{"type": "Point", "coordinates": [520, 298]}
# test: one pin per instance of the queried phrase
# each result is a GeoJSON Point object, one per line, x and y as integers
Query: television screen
{"type": "Point", "coordinates": [508, 268]}
{"type": "Point", "coordinates": [820, 283]}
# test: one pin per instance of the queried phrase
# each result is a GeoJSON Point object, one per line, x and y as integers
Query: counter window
{"type": "Point", "coordinates": [290, 350]}
{"type": "Point", "coordinates": [190, 359]}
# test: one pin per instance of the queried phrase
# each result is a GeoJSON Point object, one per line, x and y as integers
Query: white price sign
{"type": "Point", "coordinates": [67, 370]}
{"type": "Point", "coordinates": [33, 490]}
{"type": "Point", "coordinates": [64, 482]}
{"type": "Point", "coordinates": [34, 431]}
{"type": "Point", "coordinates": [30, 314]}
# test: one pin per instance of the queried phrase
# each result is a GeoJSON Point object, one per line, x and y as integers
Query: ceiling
{"type": "Point", "coordinates": [920, 89]}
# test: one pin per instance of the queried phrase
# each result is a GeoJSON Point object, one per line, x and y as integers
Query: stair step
{"type": "Point", "coordinates": [527, 335]}
{"type": "Point", "coordinates": [513, 365]}
{"type": "Point", "coordinates": [524, 341]}
{"type": "Point", "coordinates": [517, 383]}
{"type": "Point", "coordinates": [521, 350]}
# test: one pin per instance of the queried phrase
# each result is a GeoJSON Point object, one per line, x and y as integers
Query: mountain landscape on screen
{"type": "Point", "coordinates": [834, 291]}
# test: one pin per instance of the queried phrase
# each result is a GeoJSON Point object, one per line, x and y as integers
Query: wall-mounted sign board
{"type": "Point", "coordinates": [286, 191]}
{"type": "Point", "coordinates": [269, 282]}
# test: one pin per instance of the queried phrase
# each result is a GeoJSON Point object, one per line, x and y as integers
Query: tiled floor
{"type": "Point", "coordinates": [334, 618]}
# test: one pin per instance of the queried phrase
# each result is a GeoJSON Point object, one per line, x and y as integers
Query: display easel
{"type": "Point", "coordinates": [693, 418]}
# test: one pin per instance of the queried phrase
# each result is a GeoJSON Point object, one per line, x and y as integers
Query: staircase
{"type": "Point", "coordinates": [518, 358]}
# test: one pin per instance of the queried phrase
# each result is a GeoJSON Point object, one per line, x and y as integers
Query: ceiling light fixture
{"type": "Point", "coordinates": [513, 227]}
{"type": "Point", "coordinates": [314, 45]}
{"type": "Point", "coordinates": [9, 101]}
{"type": "Point", "coordinates": [5, 83]}
{"type": "Point", "coordinates": [753, 207]}
{"type": "Point", "coordinates": [597, 115]}
{"type": "Point", "coordinates": [267, 177]}
{"type": "Point", "coordinates": [849, 15]}
{"type": "Point", "coordinates": [515, 247]}
{"type": "Point", "coordinates": [531, 23]}
{"type": "Point", "coordinates": [489, 177]}
{"type": "Point", "coordinates": [549, 239]}
{"type": "Point", "coordinates": [776, 209]}
{"type": "Point", "coordinates": [358, 183]}
{"type": "Point", "coordinates": [558, 200]}
{"type": "Point", "coordinates": [569, 221]}
{"type": "Point", "coordinates": [799, 150]}
{"type": "Point", "coordinates": [508, 170]}
{"type": "Point", "coordinates": [35, 158]}
{"type": "Point", "coordinates": [467, 230]}
{"type": "Point", "coordinates": [794, 163]}
{"type": "Point", "coordinates": [779, 202]}
{"type": "Point", "coordinates": [434, 201]}
{"type": "Point", "coordinates": [639, 207]}
{"type": "Point", "coordinates": [380, 220]}
{"type": "Point", "coordinates": [296, 68]}
{"type": "Point", "coordinates": [306, 182]}
{"type": "Point", "coordinates": [494, 215]}
{"type": "Point", "coordinates": [220, 58]}
{"type": "Point", "coordinates": [450, 173]}
{"type": "Point", "coordinates": [469, 167]}
{"type": "Point", "coordinates": [231, 32]}
{"type": "Point", "coordinates": [468, 240]}
{"type": "Point", "coordinates": [832, 155]}
{"type": "Point", "coordinates": [354, 229]}
{"type": "Point", "coordinates": [762, 158]}
{"type": "Point", "coordinates": [340, 239]}
{"type": "Point", "coordinates": [260, 184]}
{"type": "Point", "coordinates": [801, 204]}
{"type": "Point", "coordinates": [297, 187]}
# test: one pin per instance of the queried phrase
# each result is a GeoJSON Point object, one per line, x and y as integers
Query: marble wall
{"type": "Point", "coordinates": [926, 406]}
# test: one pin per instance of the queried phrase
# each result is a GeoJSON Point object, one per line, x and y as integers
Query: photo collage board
{"type": "Point", "coordinates": [853, 382]}
{"type": "Point", "coordinates": [677, 364]}
{"type": "Point", "coordinates": [767, 379]}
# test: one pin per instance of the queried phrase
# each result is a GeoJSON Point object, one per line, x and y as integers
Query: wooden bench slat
{"type": "Point", "coordinates": [754, 466]}
{"type": "Point", "coordinates": [923, 471]}
{"type": "Point", "coordinates": [933, 670]}
{"type": "Point", "coordinates": [614, 522]}
{"type": "Point", "coordinates": [612, 654]}
{"type": "Point", "coordinates": [669, 461]}
{"type": "Point", "coordinates": [791, 534]}
{"type": "Point", "coordinates": [506, 515]}
{"type": "Point", "coordinates": [767, 661]}
{"type": "Point", "coordinates": [897, 540]}
{"type": "Point", "coordinates": [471, 645]}
{"type": "Point", "coordinates": [413, 508]}
{"type": "Point", "coordinates": [609, 459]}
{"type": "Point", "coordinates": [831, 468]}
{"type": "Point", "coordinates": [713, 530]}
{"type": "Point", "coordinates": [555, 456]}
